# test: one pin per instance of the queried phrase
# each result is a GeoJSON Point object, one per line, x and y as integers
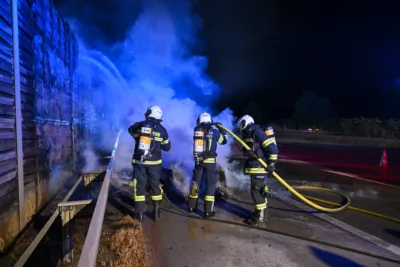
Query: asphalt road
{"type": "Point", "coordinates": [359, 161]}
{"type": "Point", "coordinates": [364, 195]}
{"type": "Point", "coordinates": [180, 241]}
{"type": "Point", "coordinates": [176, 240]}
{"type": "Point", "coordinates": [361, 156]}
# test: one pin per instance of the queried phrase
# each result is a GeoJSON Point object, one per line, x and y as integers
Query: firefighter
{"type": "Point", "coordinates": [263, 145]}
{"type": "Point", "coordinates": [205, 141]}
{"type": "Point", "coordinates": [150, 138]}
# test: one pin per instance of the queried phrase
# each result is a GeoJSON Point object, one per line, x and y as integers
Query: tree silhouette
{"type": "Point", "coordinates": [312, 110]}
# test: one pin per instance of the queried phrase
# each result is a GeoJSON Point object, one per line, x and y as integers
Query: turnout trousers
{"type": "Point", "coordinates": [143, 175]}
{"type": "Point", "coordinates": [259, 190]}
{"type": "Point", "coordinates": [211, 180]}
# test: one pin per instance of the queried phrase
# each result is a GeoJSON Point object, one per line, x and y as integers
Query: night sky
{"type": "Point", "coordinates": [269, 52]}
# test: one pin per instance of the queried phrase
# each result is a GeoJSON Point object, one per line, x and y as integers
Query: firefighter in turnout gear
{"type": "Point", "coordinates": [263, 145]}
{"type": "Point", "coordinates": [150, 138]}
{"type": "Point", "coordinates": [205, 141]}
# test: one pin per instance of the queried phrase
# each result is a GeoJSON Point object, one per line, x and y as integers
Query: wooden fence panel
{"type": "Point", "coordinates": [48, 56]}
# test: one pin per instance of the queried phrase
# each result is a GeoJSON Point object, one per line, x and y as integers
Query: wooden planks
{"type": "Point", "coordinates": [47, 57]}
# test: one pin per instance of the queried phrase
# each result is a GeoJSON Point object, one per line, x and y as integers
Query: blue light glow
{"type": "Point", "coordinates": [153, 65]}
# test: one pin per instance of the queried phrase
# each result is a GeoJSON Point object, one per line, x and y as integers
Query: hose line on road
{"type": "Point", "coordinates": [198, 217]}
{"type": "Point", "coordinates": [290, 188]}
{"type": "Point", "coordinates": [392, 219]}
{"type": "Point", "coordinates": [306, 198]}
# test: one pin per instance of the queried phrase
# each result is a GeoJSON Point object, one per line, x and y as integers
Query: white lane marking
{"type": "Point", "coordinates": [359, 178]}
{"type": "Point", "coordinates": [294, 161]}
{"type": "Point", "coordinates": [368, 237]}
{"type": "Point", "coordinates": [289, 160]}
{"type": "Point", "coordinates": [339, 173]}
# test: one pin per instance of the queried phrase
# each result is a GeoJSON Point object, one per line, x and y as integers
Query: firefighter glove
{"type": "Point", "coordinates": [271, 168]}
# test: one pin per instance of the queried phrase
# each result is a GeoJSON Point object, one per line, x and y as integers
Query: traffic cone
{"type": "Point", "coordinates": [384, 163]}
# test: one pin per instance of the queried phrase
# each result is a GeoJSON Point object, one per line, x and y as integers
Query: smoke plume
{"type": "Point", "coordinates": [153, 65]}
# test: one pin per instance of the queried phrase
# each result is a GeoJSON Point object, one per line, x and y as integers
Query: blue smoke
{"type": "Point", "coordinates": [156, 48]}
{"type": "Point", "coordinates": [153, 65]}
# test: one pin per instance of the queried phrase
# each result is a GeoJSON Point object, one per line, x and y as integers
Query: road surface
{"type": "Point", "coordinates": [355, 160]}
{"type": "Point", "coordinates": [180, 241]}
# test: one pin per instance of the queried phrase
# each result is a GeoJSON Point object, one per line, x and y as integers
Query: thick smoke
{"type": "Point", "coordinates": [154, 65]}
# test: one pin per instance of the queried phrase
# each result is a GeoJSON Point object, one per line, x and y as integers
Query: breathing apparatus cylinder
{"type": "Point", "coordinates": [269, 131]}
{"type": "Point", "coordinates": [199, 143]}
{"type": "Point", "coordinates": [145, 140]}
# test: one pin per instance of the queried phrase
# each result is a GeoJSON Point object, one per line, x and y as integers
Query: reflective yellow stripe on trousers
{"type": "Point", "coordinates": [209, 198]}
{"type": "Point", "coordinates": [255, 171]}
{"type": "Point", "coordinates": [210, 160]}
{"type": "Point", "coordinates": [158, 197]}
{"type": "Point", "coordinates": [147, 162]}
{"type": "Point", "coordinates": [261, 206]}
{"type": "Point", "coordinates": [137, 198]}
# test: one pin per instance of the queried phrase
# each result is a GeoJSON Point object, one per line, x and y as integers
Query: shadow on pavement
{"type": "Point", "coordinates": [233, 208]}
{"type": "Point", "coordinates": [395, 233]}
{"type": "Point", "coordinates": [333, 259]}
{"type": "Point", "coordinates": [276, 208]}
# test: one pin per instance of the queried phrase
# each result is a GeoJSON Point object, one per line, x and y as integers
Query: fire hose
{"type": "Point", "coordinates": [303, 198]}
{"type": "Point", "coordinates": [292, 188]}
{"type": "Point", "coordinates": [183, 212]}
{"type": "Point", "coordinates": [264, 229]}
{"type": "Point", "coordinates": [306, 198]}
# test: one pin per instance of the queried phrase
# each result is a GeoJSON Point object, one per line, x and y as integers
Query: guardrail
{"type": "Point", "coordinates": [91, 246]}
{"type": "Point", "coordinates": [68, 209]}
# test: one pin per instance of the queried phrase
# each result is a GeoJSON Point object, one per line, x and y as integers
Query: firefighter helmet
{"type": "Point", "coordinates": [204, 118]}
{"type": "Point", "coordinates": [154, 112]}
{"type": "Point", "coordinates": [244, 121]}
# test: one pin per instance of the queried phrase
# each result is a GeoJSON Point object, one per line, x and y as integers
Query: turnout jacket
{"type": "Point", "coordinates": [160, 142]}
{"type": "Point", "coordinates": [263, 144]}
{"type": "Point", "coordinates": [213, 137]}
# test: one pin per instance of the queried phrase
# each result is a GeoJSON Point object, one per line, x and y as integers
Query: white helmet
{"type": "Point", "coordinates": [204, 118]}
{"type": "Point", "coordinates": [244, 121]}
{"type": "Point", "coordinates": [154, 112]}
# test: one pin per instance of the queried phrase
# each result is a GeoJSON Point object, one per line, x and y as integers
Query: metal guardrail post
{"type": "Point", "coordinates": [68, 211]}
{"type": "Point", "coordinates": [87, 180]}
{"type": "Point", "coordinates": [24, 258]}
{"type": "Point", "coordinates": [18, 114]}
{"type": "Point", "coordinates": [91, 246]}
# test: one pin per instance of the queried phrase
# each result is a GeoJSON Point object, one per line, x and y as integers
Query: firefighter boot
{"type": "Point", "coordinates": [156, 209]}
{"type": "Point", "coordinates": [192, 204]}
{"type": "Point", "coordinates": [209, 209]}
{"type": "Point", "coordinates": [260, 218]}
{"type": "Point", "coordinates": [193, 197]}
